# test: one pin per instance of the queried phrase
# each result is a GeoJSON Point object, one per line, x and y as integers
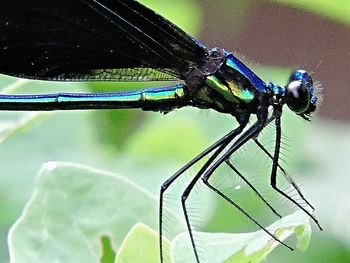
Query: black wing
{"type": "Point", "coordinates": [92, 40]}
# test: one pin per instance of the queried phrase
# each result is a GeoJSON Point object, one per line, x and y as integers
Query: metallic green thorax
{"type": "Point", "coordinates": [230, 90]}
{"type": "Point", "coordinates": [214, 83]}
{"type": "Point", "coordinates": [224, 83]}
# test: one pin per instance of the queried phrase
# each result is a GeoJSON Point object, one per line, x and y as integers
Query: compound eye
{"type": "Point", "coordinates": [297, 96]}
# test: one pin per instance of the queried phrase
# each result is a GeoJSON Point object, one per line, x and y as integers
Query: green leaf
{"type": "Point", "coordinates": [141, 245]}
{"type": "Point", "coordinates": [72, 208]}
{"type": "Point", "coordinates": [247, 247]}
{"type": "Point", "coordinates": [108, 253]}
{"type": "Point", "coordinates": [337, 10]}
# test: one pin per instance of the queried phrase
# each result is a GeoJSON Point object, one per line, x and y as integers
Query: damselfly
{"type": "Point", "coordinates": [122, 40]}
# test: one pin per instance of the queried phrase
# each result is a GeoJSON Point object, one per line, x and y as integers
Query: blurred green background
{"type": "Point", "coordinates": [149, 147]}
